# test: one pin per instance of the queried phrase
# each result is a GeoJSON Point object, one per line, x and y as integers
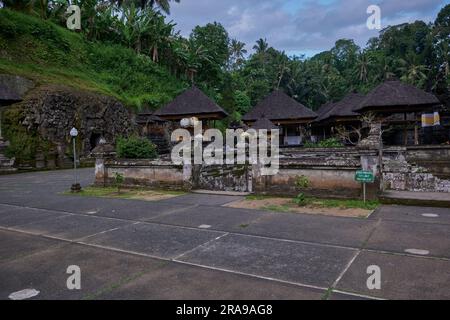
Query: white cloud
{"type": "Point", "coordinates": [310, 25]}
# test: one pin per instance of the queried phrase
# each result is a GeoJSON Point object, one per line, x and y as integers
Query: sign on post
{"type": "Point", "coordinates": [364, 177]}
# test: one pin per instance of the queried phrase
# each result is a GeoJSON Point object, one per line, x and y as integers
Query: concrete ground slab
{"type": "Point", "coordinates": [14, 245]}
{"type": "Point", "coordinates": [178, 281]}
{"type": "Point", "coordinates": [348, 296]}
{"type": "Point", "coordinates": [402, 277]}
{"type": "Point", "coordinates": [154, 240]}
{"type": "Point", "coordinates": [101, 271]}
{"type": "Point", "coordinates": [401, 236]}
{"type": "Point", "coordinates": [414, 214]}
{"type": "Point", "coordinates": [16, 217]}
{"type": "Point", "coordinates": [219, 218]}
{"type": "Point", "coordinates": [203, 199]}
{"type": "Point", "coordinates": [113, 208]}
{"type": "Point", "coordinates": [72, 227]}
{"type": "Point", "coordinates": [328, 230]}
{"type": "Point", "coordinates": [284, 260]}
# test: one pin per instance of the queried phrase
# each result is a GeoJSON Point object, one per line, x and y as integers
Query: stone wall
{"type": "Point", "coordinates": [330, 173]}
{"type": "Point", "coordinates": [223, 177]}
{"type": "Point", "coordinates": [149, 173]}
{"type": "Point", "coordinates": [417, 169]}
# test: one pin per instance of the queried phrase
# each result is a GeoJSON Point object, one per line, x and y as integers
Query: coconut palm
{"type": "Point", "coordinates": [237, 53]}
{"type": "Point", "coordinates": [164, 5]}
{"type": "Point", "coordinates": [363, 65]}
{"type": "Point", "coordinates": [412, 72]}
{"type": "Point", "coordinates": [261, 46]}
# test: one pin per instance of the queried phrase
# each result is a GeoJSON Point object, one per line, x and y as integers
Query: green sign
{"type": "Point", "coordinates": [364, 176]}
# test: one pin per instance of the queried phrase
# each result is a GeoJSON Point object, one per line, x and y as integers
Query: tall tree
{"type": "Point", "coordinates": [237, 54]}
{"type": "Point", "coordinates": [261, 46]}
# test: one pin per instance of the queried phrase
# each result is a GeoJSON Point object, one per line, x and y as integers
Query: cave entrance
{"type": "Point", "coordinates": [94, 140]}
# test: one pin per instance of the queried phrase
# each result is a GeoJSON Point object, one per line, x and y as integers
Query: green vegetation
{"type": "Point", "coordinates": [137, 194]}
{"type": "Point", "coordinates": [135, 148]}
{"type": "Point", "coordinates": [129, 50]}
{"type": "Point", "coordinates": [327, 143]}
{"type": "Point", "coordinates": [302, 182]}
{"type": "Point", "coordinates": [300, 200]}
{"type": "Point", "coordinates": [118, 181]}
{"type": "Point", "coordinates": [339, 203]}
{"type": "Point", "coordinates": [282, 208]}
{"type": "Point", "coordinates": [46, 53]}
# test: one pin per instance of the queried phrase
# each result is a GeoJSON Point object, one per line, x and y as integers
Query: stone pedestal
{"type": "Point", "coordinates": [102, 153]}
{"type": "Point", "coordinates": [369, 150]}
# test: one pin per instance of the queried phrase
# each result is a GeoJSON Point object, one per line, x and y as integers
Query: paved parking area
{"type": "Point", "coordinates": [191, 247]}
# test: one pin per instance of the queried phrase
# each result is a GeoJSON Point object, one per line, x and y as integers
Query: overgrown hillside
{"type": "Point", "coordinates": [46, 53]}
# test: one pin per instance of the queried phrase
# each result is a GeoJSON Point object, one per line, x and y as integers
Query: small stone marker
{"type": "Point", "coordinates": [418, 252]}
{"type": "Point", "coordinates": [430, 215]}
{"type": "Point", "coordinates": [23, 294]}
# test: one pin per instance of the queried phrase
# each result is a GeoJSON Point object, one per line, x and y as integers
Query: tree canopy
{"type": "Point", "coordinates": [417, 53]}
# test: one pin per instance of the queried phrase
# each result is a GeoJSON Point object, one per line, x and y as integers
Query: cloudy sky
{"type": "Point", "coordinates": [299, 26]}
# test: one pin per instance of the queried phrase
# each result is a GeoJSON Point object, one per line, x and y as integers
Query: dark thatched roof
{"type": "Point", "coordinates": [325, 108]}
{"type": "Point", "coordinates": [393, 93]}
{"type": "Point", "coordinates": [279, 106]}
{"type": "Point", "coordinates": [264, 123]}
{"type": "Point", "coordinates": [191, 102]}
{"type": "Point", "coordinates": [143, 118]}
{"type": "Point", "coordinates": [342, 108]}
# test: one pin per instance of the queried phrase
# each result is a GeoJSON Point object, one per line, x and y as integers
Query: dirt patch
{"type": "Point", "coordinates": [286, 205]}
{"type": "Point", "coordinates": [151, 196]}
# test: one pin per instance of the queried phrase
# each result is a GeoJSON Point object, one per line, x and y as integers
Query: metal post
{"type": "Point", "coordinates": [75, 161]}
{"type": "Point", "coordinates": [1, 124]}
{"type": "Point", "coordinates": [76, 186]}
{"type": "Point", "coordinates": [364, 192]}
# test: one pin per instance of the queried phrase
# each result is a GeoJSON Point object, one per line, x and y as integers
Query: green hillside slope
{"type": "Point", "coordinates": [46, 53]}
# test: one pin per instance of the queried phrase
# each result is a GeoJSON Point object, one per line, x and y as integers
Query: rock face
{"type": "Point", "coordinates": [12, 89]}
{"type": "Point", "coordinates": [51, 111]}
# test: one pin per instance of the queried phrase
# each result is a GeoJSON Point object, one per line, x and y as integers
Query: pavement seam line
{"type": "Point", "coordinates": [358, 295]}
{"type": "Point", "coordinates": [358, 252]}
{"type": "Point", "coordinates": [202, 245]}
{"type": "Point", "coordinates": [106, 231]}
{"type": "Point", "coordinates": [169, 213]}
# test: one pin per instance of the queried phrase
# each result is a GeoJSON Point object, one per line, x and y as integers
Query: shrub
{"type": "Point", "coordinates": [300, 200]}
{"type": "Point", "coordinates": [302, 182]}
{"type": "Point", "coordinates": [136, 148]}
{"type": "Point", "coordinates": [118, 181]}
{"type": "Point", "coordinates": [327, 143]}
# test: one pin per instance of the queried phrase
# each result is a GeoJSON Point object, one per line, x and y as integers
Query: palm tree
{"type": "Point", "coordinates": [363, 65]}
{"type": "Point", "coordinates": [412, 72]}
{"type": "Point", "coordinates": [237, 53]}
{"type": "Point", "coordinates": [164, 5]}
{"type": "Point", "coordinates": [191, 57]}
{"type": "Point", "coordinates": [261, 46]}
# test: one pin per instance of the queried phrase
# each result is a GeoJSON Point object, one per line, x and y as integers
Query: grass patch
{"type": "Point", "coordinates": [134, 194]}
{"type": "Point", "coordinates": [283, 208]}
{"type": "Point", "coordinates": [341, 203]}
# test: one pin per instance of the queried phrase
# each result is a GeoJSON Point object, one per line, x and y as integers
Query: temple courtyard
{"type": "Point", "coordinates": [194, 246]}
